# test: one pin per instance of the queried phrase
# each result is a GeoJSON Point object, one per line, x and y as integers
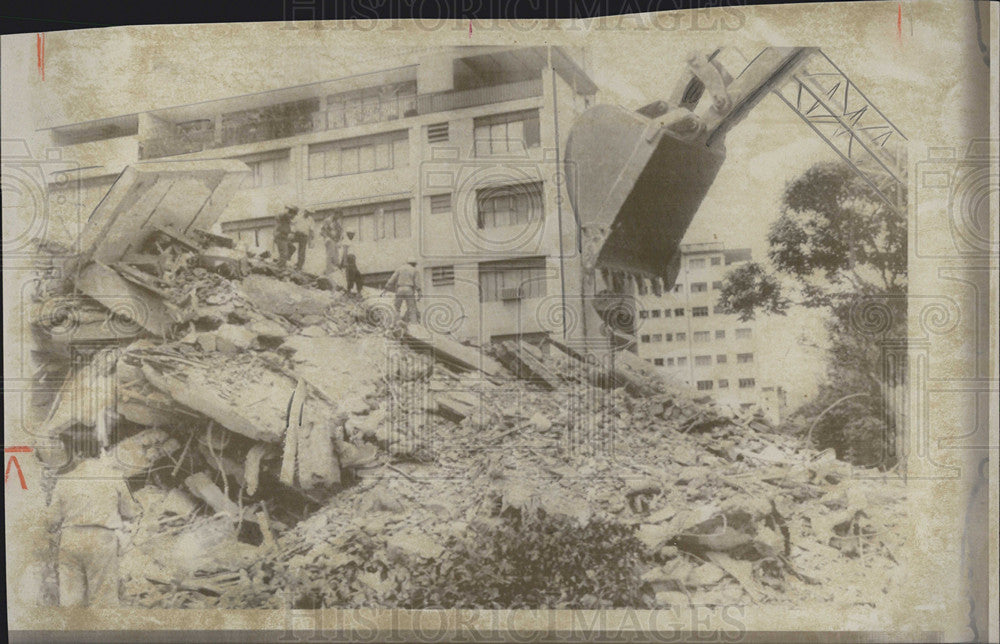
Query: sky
{"type": "Point", "coordinates": [909, 65]}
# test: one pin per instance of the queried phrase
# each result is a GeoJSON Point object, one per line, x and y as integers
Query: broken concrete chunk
{"type": "Point", "coordinates": [268, 328]}
{"type": "Point", "coordinates": [662, 515]}
{"type": "Point", "coordinates": [231, 339]}
{"type": "Point", "coordinates": [313, 331]}
{"type": "Point", "coordinates": [203, 488]}
{"type": "Point", "coordinates": [642, 486]}
{"type": "Point", "coordinates": [706, 574]}
{"type": "Point", "coordinates": [285, 298]}
{"type": "Point", "coordinates": [671, 598]}
{"type": "Point", "coordinates": [540, 422]}
{"type": "Point", "coordinates": [356, 456]}
{"type": "Point", "coordinates": [413, 546]}
{"type": "Point", "coordinates": [205, 340]}
{"type": "Point", "coordinates": [355, 405]}
{"type": "Point", "coordinates": [653, 536]}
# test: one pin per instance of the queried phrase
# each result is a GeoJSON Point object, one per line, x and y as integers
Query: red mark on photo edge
{"type": "Point", "coordinates": [470, 29]}
{"type": "Point", "coordinates": [20, 449]}
{"type": "Point", "coordinates": [899, 21]}
{"type": "Point", "coordinates": [40, 46]}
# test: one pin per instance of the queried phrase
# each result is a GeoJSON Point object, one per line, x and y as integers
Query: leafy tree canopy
{"type": "Point", "coordinates": [836, 239]}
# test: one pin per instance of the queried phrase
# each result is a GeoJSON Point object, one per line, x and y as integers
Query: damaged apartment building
{"type": "Point", "coordinates": [451, 157]}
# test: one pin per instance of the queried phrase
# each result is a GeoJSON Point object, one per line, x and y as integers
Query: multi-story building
{"type": "Point", "coordinates": [453, 159]}
{"type": "Point", "coordinates": [684, 332]}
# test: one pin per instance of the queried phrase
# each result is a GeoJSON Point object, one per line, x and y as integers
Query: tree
{"type": "Point", "coordinates": [838, 246]}
{"type": "Point", "coordinates": [836, 240]}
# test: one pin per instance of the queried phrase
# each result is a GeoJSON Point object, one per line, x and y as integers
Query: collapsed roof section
{"type": "Point", "coordinates": [176, 196]}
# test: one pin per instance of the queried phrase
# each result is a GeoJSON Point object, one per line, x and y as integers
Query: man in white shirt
{"type": "Point", "coordinates": [89, 507]}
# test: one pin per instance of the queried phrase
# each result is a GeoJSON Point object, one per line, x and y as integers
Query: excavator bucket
{"type": "Point", "coordinates": [636, 179]}
{"type": "Point", "coordinates": [638, 183]}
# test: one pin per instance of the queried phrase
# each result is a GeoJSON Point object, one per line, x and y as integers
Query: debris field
{"type": "Point", "coordinates": [294, 445]}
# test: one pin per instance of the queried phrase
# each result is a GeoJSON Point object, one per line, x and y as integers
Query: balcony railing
{"type": "Point", "coordinates": [458, 99]}
{"type": "Point", "coordinates": [276, 123]}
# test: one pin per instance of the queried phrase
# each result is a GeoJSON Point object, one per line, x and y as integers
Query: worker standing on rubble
{"type": "Point", "coordinates": [352, 273]}
{"type": "Point", "coordinates": [302, 235]}
{"type": "Point", "coordinates": [332, 232]}
{"type": "Point", "coordinates": [87, 512]}
{"type": "Point", "coordinates": [406, 282]}
{"type": "Point", "coordinates": [283, 235]}
{"type": "Point", "coordinates": [346, 248]}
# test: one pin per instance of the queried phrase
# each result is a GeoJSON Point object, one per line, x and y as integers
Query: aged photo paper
{"type": "Point", "coordinates": [667, 326]}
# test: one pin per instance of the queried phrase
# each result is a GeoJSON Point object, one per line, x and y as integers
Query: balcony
{"type": "Point", "coordinates": [302, 117]}
{"type": "Point", "coordinates": [105, 152]}
{"type": "Point", "coordinates": [459, 99]}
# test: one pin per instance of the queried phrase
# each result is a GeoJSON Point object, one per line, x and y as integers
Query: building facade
{"type": "Point", "coordinates": [684, 333]}
{"type": "Point", "coordinates": [454, 159]}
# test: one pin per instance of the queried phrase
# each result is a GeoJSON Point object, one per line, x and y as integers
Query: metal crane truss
{"type": "Point", "coordinates": [840, 114]}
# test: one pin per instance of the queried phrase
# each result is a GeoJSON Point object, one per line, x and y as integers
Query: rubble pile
{"type": "Point", "coordinates": [294, 426]}
{"type": "Point", "coordinates": [295, 445]}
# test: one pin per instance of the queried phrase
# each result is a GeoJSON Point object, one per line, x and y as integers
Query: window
{"type": "Point", "coordinates": [699, 287]}
{"type": "Point", "coordinates": [743, 334]}
{"type": "Point", "coordinates": [396, 224]}
{"type": "Point", "coordinates": [670, 362]}
{"type": "Point", "coordinates": [370, 105]}
{"type": "Point", "coordinates": [681, 337]}
{"type": "Point", "coordinates": [716, 285]}
{"type": "Point", "coordinates": [440, 204]}
{"type": "Point", "coordinates": [512, 279]}
{"type": "Point", "coordinates": [678, 313]}
{"type": "Point", "coordinates": [437, 133]}
{"type": "Point", "coordinates": [666, 313]}
{"type": "Point", "coordinates": [658, 362]}
{"type": "Point", "coordinates": [443, 275]}
{"type": "Point", "coordinates": [643, 315]}
{"type": "Point", "coordinates": [716, 261]}
{"type": "Point", "coordinates": [655, 313]}
{"type": "Point", "coordinates": [507, 133]}
{"type": "Point", "coordinates": [372, 222]}
{"type": "Point", "coordinates": [668, 337]}
{"type": "Point", "coordinates": [704, 385]}
{"type": "Point", "coordinates": [701, 336]}
{"type": "Point", "coordinates": [699, 311]}
{"type": "Point", "coordinates": [509, 205]}
{"type": "Point", "coordinates": [364, 154]}
{"type": "Point", "coordinates": [267, 169]}
{"type": "Point", "coordinates": [723, 384]}
{"type": "Point", "coordinates": [702, 361]}
{"type": "Point", "coordinates": [682, 361]}
{"type": "Point", "coordinates": [696, 262]}
{"type": "Point", "coordinates": [720, 335]}
{"type": "Point", "coordinates": [747, 383]}
{"type": "Point", "coordinates": [720, 359]}
{"type": "Point", "coordinates": [678, 288]}
{"type": "Point", "coordinates": [656, 337]}
{"type": "Point", "coordinates": [744, 358]}
{"type": "Point", "coordinates": [644, 338]}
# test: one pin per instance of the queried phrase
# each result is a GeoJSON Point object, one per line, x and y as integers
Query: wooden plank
{"type": "Point", "coordinates": [525, 366]}
{"type": "Point", "coordinates": [455, 405]}
{"type": "Point", "coordinates": [203, 488]}
{"type": "Point", "coordinates": [448, 350]}
{"type": "Point", "coordinates": [537, 368]}
{"type": "Point", "coordinates": [289, 455]}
